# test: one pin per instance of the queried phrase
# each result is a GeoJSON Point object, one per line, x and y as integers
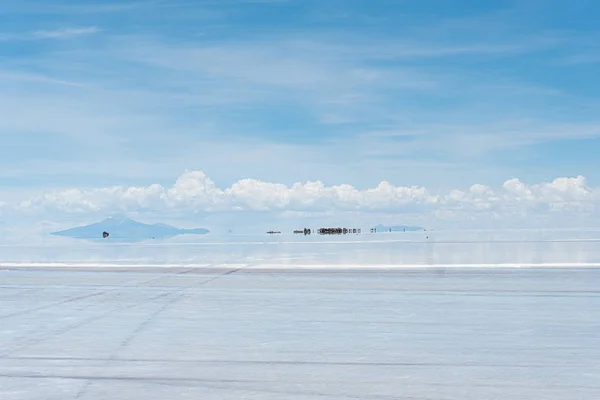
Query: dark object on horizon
{"type": "Point", "coordinates": [305, 231]}
{"type": "Point", "coordinates": [337, 231]}
{"type": "Point", "coordinates": [128, 230]}
{"type": "Point", "coordinates": [273, 232]}
{"type": "Point", "coordinates": [105, 234]}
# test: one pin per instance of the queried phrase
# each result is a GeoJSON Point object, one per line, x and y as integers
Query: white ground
{"type": "Point", "coordinates": [239, 331]}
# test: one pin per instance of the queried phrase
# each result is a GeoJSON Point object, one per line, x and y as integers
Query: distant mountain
{"type": "Point", "coordinates": [400, 228]}
{"type": "Point", "coordinates": [127, 229]}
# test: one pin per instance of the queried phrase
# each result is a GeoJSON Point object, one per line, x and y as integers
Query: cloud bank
{"type": "Point", "coordinates": [194, 192]}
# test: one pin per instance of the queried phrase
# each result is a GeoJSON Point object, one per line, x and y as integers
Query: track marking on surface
{"type": "Point", "coordinates": [76, 325]}
{"type": "Point", "coordinates": [142, 326]}
{"type": "Point", "coordinates": [212, 384]}
{"type": "Point", "coordinates": [178, 293]}
{"type": "Point", "coordinates": [100, 293]}
{"type": "Point", "coordinates": [127, 340]}
{"type": "Point", "coordinates": [151, 379]}
{"type": "Point", "coordinates": [86, 321]}
{"type": "Point", "coordinates": [300, 363]}
{"type": "Point", "coordinates": [53, 304]}
{"type": "Point", "coordinates": [302, 392]}
{"type": "Point", "coordinates": [25, 290]}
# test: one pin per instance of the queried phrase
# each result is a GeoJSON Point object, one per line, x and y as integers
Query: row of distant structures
{"type": "Point", "coordinates": [322, 231]}
{"type": "Point", "coordinates": [337, 231]}
{"type": "Point", "coordinates": [346, 231]}
{"type": "Point", "coordinates": [330, 231]}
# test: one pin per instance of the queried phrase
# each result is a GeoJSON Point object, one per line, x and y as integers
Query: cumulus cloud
{"type": "Point", "coordinates": [195, 192]}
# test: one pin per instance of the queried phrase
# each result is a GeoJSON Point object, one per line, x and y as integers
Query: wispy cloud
{"type": "Point", "coordinates": [65, 33]}
{"type": "Point", "coordinates": [33, 7]}
{"type": "Point", "coordinates": [198, 94]}
{"type": "Point", "coordinates": [268, 91]}
{"type": "Point", "coordinates": [36, 78]}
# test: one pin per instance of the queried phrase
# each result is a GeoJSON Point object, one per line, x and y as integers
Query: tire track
{"type": "Point", "coordinates": [78, 324]}
{"type": "Point", "coordinates": [83, 297]}
{"type": "Point", "coordinates": [178, 293]}
{"type": "Point", "coordinates": [218, 384]}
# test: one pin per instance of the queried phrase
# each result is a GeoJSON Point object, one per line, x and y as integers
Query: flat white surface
{"type": "Point", "coordinates": [484, 315]}
{"type": "Point", "coordinates": [231, 333]}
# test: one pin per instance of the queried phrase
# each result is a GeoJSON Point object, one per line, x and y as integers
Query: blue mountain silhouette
{"type": "Point", "coordinates": [127, 229]}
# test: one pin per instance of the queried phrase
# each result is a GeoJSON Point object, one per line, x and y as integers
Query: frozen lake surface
{"type": "Point", "coordinates": [248, 322]}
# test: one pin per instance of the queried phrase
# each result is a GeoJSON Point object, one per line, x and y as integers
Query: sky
{"type": "Point", "coordinates": [389, 111]}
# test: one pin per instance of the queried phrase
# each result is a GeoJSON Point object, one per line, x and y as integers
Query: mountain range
{"type": "Point", "coordinates": [127, 229]}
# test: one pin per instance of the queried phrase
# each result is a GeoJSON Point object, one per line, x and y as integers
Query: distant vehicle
{"type": "Point", "coordinates": [273, 232]}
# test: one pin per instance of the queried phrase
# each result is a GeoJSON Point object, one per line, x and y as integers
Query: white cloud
{"type": "Point", "coordinates": [146, 105]}
{"type": "Point", "coordinates": [80, 95]}
{"type": "Point", "coordinates": [65, 33]}
{"type": "Point", "coordinates": [194, 192]}
{"type": "Point", "coordinates": [34, 78]}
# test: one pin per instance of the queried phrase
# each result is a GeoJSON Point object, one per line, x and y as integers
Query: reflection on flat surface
{"type": "Point", "coordinates": [550, 248]}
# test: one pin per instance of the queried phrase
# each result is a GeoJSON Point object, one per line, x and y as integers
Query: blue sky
{"type": "Point", "coordinates": [433, 93]}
